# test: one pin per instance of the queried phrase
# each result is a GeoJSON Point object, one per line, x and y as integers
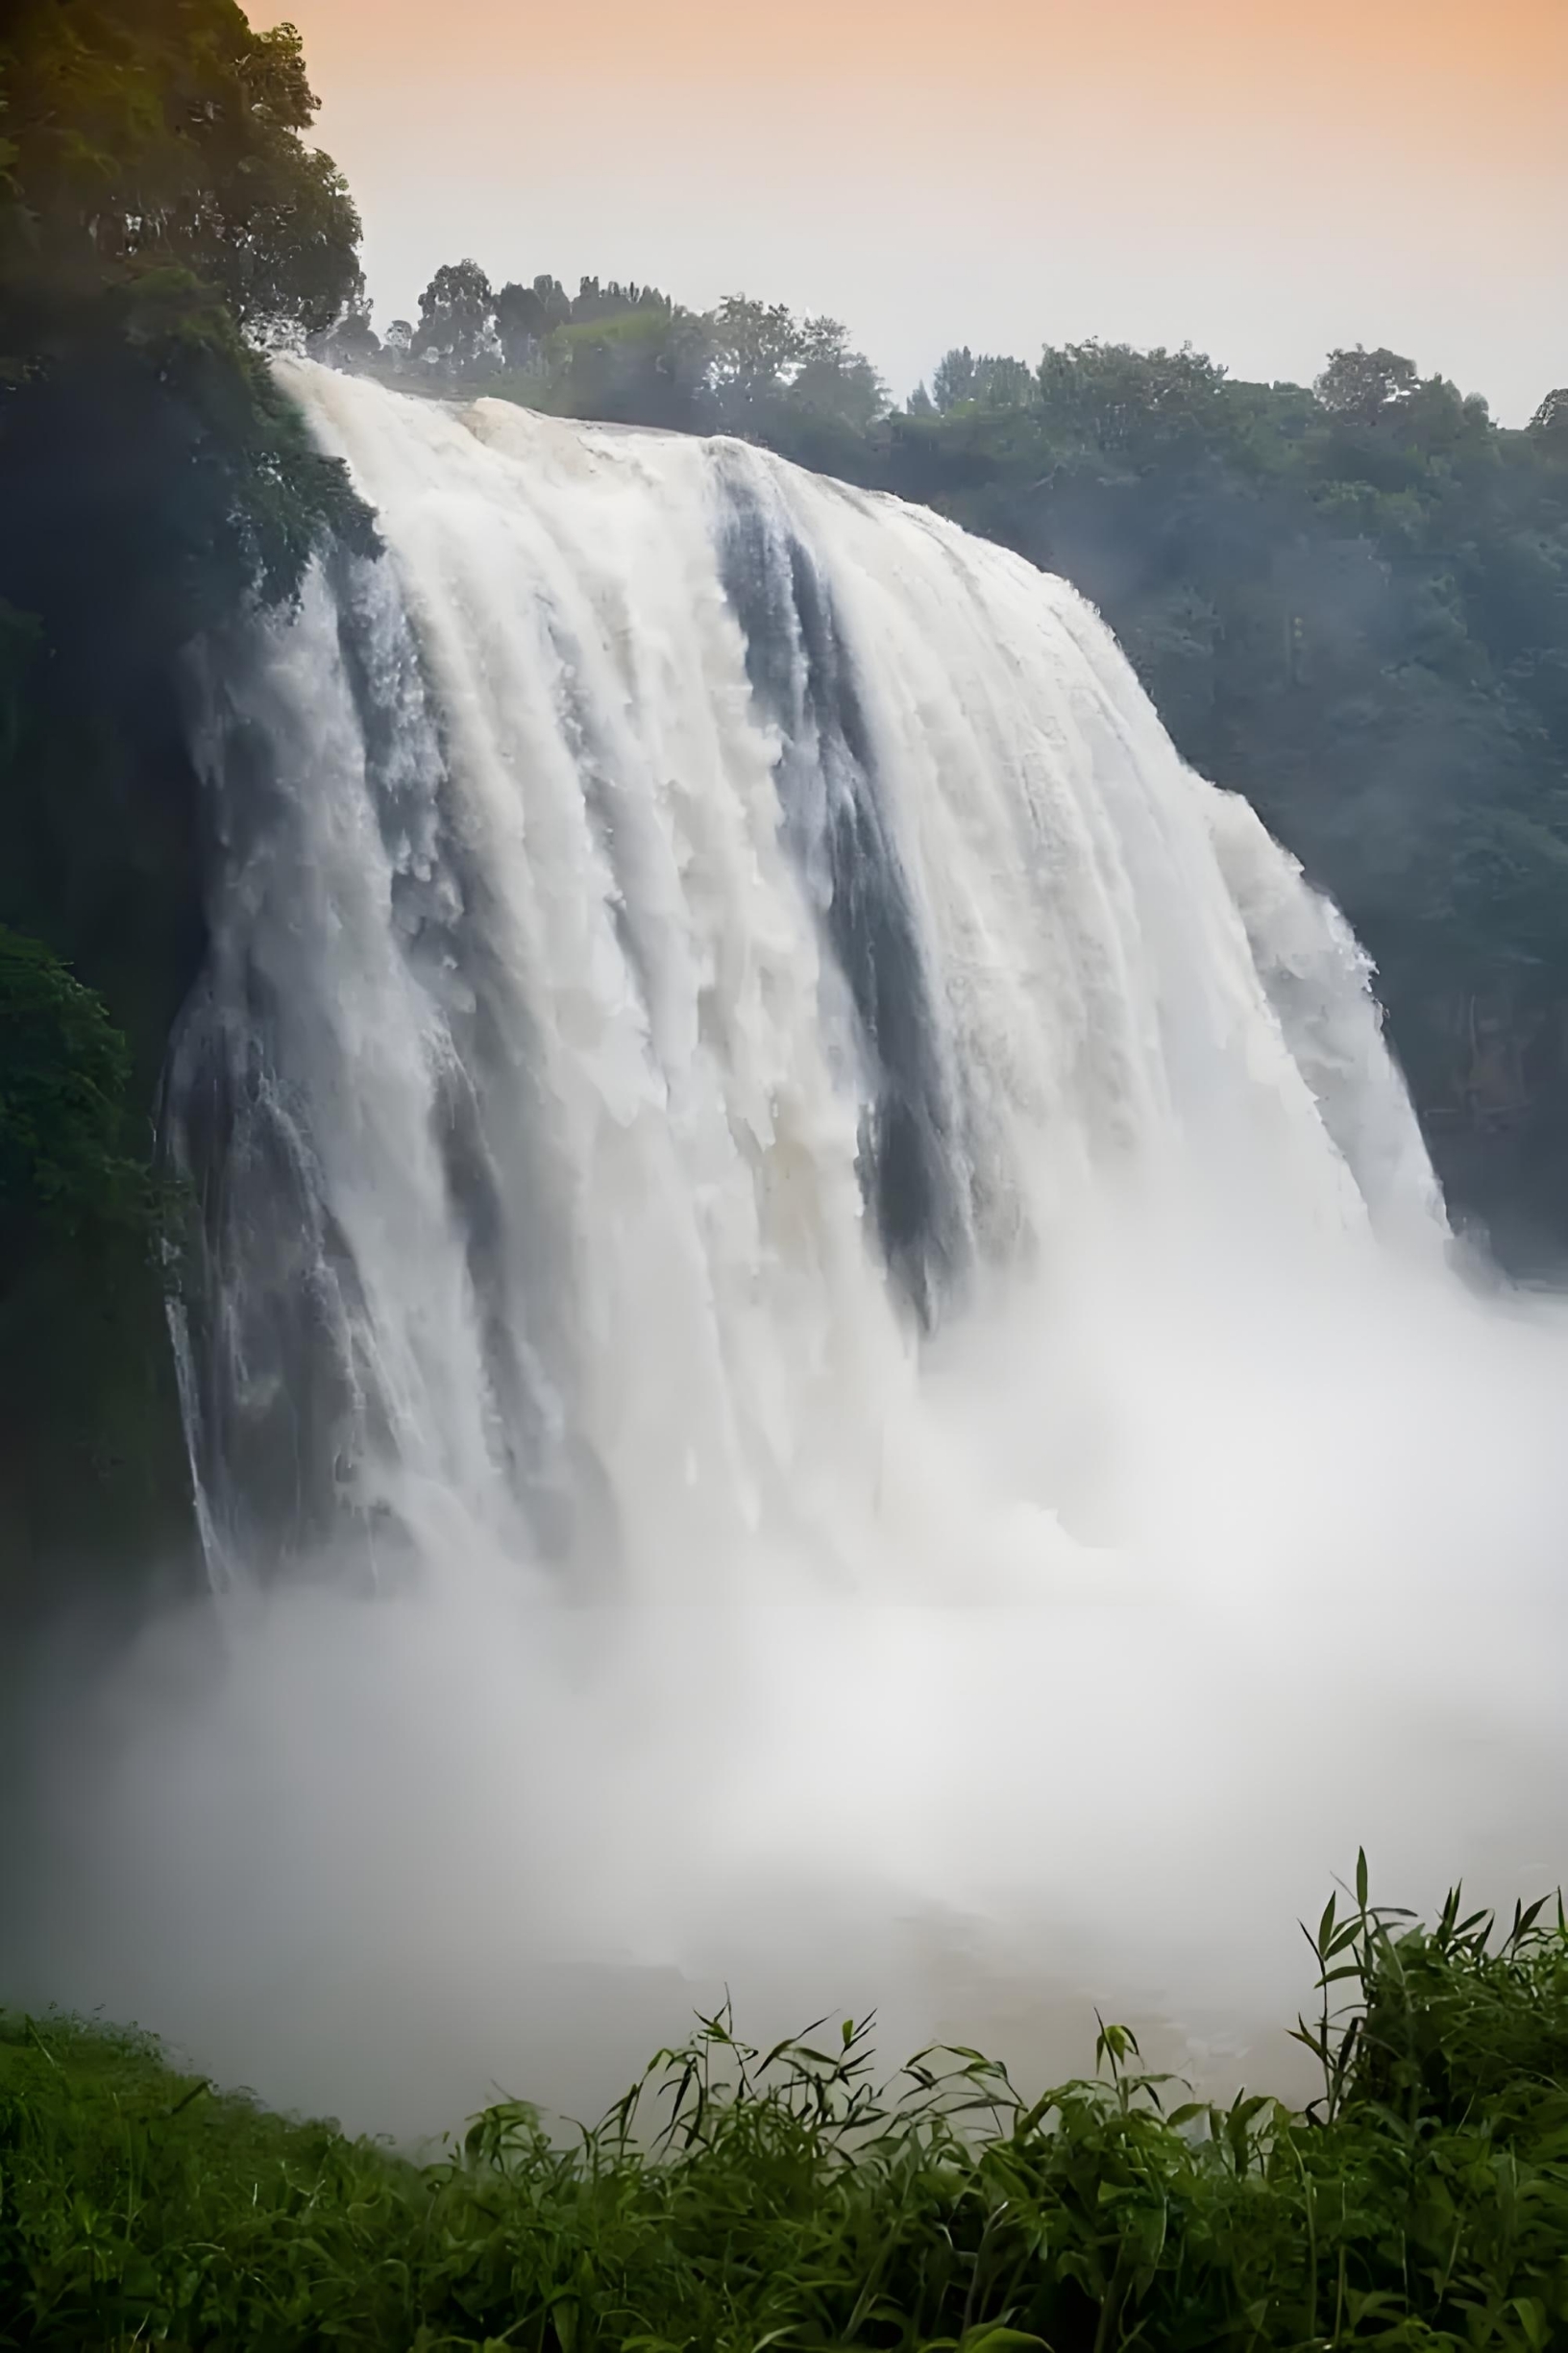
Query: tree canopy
{"type": "Point", "coordinates": [154, 134]}
{"type": "Point", "coordinates": [629, 353]}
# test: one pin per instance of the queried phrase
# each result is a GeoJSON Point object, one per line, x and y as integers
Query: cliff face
{"type": "Point", "coordinates": [94, 1492]}
{"type": "Point", "coordinates": [1492, 1091]}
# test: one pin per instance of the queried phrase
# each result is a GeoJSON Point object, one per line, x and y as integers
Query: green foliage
{"type": "Point", "coordinates": [456, 317]}
{"type": "Point", "coordinates": [627, 354]}
{"type": "Point", "coordinates": [90, 1437]}
{"type": "Point", "coordinates": [961, 381]}
{"type": "Point", "coordinates": [736, 2198]}
{"type": "Point", "coordinates": [154, 481]}
{"type": "Point", "coordinates": [159, 217]}
{"type": "Point", "coordinates": [641, 365]}
{"type": "Point", "coordinates": [156, 134]}
{"type": "Point", "coordinates": [64, 1070]}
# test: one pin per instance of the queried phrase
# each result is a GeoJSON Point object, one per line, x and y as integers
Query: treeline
{"type": "Point", "coordinates": [629, 353]}
{"type": "Point", "coordinates": [1349, 600]}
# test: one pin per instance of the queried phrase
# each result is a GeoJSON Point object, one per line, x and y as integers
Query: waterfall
{"type": "Point", "coordinates": [684, 931]}
{"type": "Point", "coordinates": [821, 1353]}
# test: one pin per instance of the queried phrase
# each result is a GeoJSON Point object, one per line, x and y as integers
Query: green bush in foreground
{"type": "Point", "coordinates": [736, 2199]}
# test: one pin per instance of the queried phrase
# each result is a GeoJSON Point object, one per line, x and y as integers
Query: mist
{"type": "Point", "coordinates": [1300, 1589]}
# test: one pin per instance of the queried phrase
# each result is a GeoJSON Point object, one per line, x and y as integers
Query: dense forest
{"type": "Point", "coordinates": [1349, 600]}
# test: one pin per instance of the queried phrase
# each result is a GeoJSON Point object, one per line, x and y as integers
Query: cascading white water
{"type": "Point", "coordinates": [679, 917]}
{"type": "Point", "coordinates": [827, 1355]}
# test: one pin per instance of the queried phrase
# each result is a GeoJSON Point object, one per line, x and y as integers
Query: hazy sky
{"type": "Point", "coordinates": [1263, 178]}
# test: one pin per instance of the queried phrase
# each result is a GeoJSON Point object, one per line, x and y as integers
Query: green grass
{"type": "Point", "coordinates": [736, 2199]}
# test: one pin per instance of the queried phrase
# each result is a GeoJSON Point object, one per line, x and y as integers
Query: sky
{"type": "Point", "coordinates": [1265, 179]}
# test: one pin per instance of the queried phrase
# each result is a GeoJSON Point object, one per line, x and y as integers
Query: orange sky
{"type": "Point", "coordinates": [1265, 179]}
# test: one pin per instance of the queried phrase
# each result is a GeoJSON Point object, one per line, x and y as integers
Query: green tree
{"type": "Point", "coordinates": [456, 326]}
{"type": "Point", "coordinates": [64, 1074]}
{"type": "Point", "coordinates": [794, 382]}
{"type": "Point", "coordinates": [160, 217]}
{"type": "Point", "coordinates": [1364, 385]}
{"type": "Point", "coordinates": [755, 349]}
{"type": "Point", "coordinates": [1147, 406]}
{"type": "Point", "coordinates": [832, 381]}
{"type": "Point", "coordinates": [640, 366]}
{"type": "Point", "coordinates": [992, 381]}
{"type": "Point", "coordinates": [525, 315]}
{"type": "Point", "coordinates": [149, 134]}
